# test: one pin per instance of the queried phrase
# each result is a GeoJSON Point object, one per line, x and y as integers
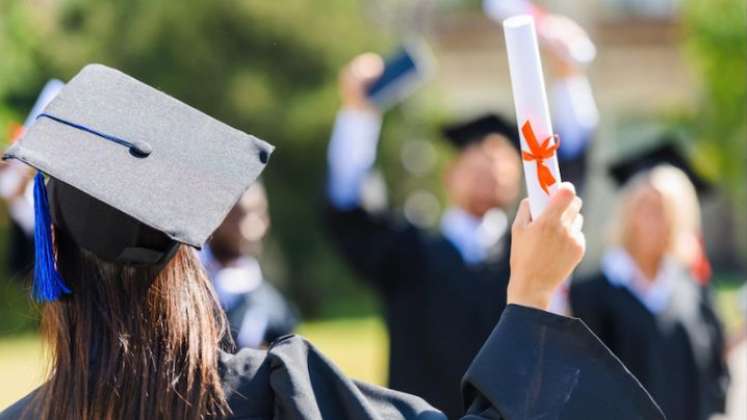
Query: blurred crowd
{"type": "Point", "coordinates": [442, 291]}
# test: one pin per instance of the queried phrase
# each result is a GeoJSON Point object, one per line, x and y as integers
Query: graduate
{"type": "Point", "coordinates": [644, 302]}
{"type": "Point", "coordinates": [16, 189]}
{"type": "Point", "coordinates": [135, 331]}
{"type": "Point", "coordinates": [441, 293]}
{"type": "Point", "coordinates": [257, 312]}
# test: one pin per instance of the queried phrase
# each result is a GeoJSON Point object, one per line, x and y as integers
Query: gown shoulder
{"type": "Point", "coordinates": [19, 409]}
{"type": "Point", "coordinates": [292, 380]}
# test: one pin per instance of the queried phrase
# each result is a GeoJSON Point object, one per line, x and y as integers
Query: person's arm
{"type": "Point", "coordinates": [540, 365]}
{"type": "Point", "coordinates": [382, 249]}
{"type": "Point", "coordinates": [575, 113]}
{"type": "Point", "coordinates": [352, 149]}
{"type": "Point", "coordinates": [534, 365]}
{"type": "Point", "coordinates": [351, 155]}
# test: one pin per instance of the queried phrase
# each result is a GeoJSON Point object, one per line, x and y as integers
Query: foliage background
{"type": "Point", "coordinates": [270, 68]}
{"type": "Point", "coordinates": [716, 41]}
{"type": "Point", "coordinates": [266, 67]}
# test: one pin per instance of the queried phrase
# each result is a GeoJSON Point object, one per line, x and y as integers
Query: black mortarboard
{"type": "Point", "coordinates": [665, 153]}
{"type": "Point", "coordinates": [465, 133]}
{"type": "Point", "coordinates": [133, 171]}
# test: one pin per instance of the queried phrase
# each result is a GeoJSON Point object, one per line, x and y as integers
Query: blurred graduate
{"type": "Point", "coordinates": [645, 301]}
{"type": "Point", "coordinates": [257, 312]}
{"type": "Point", "coordinates": [130, 181]}
{"type": "Point", "coordinates": [442, 293]}
{"type": "Point", "coordinates": [16, 189]}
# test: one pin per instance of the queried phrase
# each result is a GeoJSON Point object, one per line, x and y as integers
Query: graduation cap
{"type": "Point", "coordinates": [665, 153]}
{"type": "Point", "coordinates": [466, 133]}
{"type": "Point", "coordinates": [133, 172]}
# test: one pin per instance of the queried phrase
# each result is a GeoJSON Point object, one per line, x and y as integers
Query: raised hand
{"type": "Point", "coordinates": [355, 77]}
{"type": "Point", "coordinates": [545, 251]}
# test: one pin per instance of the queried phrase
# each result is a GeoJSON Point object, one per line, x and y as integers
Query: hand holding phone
{"type": "Point", "coordinates": [403, 73]}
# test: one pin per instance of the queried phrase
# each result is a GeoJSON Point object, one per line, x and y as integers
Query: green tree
{"type": "Point", "coordinates": [267, 67]}
{"type": "Point", "coordinates": [717, 43]}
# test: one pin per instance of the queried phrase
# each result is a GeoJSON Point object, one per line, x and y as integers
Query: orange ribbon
{"type": "Point", "coordinates": [538, 153]}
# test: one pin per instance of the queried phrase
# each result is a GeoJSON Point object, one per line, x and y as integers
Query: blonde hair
{"type": "Point", "coordinates": [680, 203]}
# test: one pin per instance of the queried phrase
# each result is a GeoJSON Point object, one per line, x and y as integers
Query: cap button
{"type": "Point", "coordinates": [263, 156]}
{"type": "Point", "coordinates": [140, 149]}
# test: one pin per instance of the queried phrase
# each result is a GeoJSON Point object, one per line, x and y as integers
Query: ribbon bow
{"type": "Point", "coordinates": [538, 153]}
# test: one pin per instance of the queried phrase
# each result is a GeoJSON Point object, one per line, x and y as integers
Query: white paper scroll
{"type": "Point", "coordinates": [530, 101]}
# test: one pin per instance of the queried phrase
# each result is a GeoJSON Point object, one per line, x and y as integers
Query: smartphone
{"type": "Point", "coordinates": [403, 73]}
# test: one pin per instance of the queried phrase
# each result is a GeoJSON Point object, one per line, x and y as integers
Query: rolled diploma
{"type": "Point", "coordinates": [530, 101]}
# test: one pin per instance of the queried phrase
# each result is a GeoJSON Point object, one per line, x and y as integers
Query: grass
{"type": "Point", "coordinates": [358, 346]}
{"type": "Point", "coordinates": [21, 364]}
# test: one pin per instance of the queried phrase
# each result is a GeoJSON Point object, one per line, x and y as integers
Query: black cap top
{"type": "Point", "coordinates": [665, 153]}
{"type": "Point", "coordinates": [465, 133]}
{"type": "Point", "coordinates": [134, 170]}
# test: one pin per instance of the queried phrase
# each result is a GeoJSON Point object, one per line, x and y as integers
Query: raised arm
{"type": "Point", "coordinates": [355, 137]}
{"type": "Point", "coordinates": [534, 365]}
{"type": "Point", "coordinates": [574, 109]}
{"type": "Point", "coordinates": [374, 244]}
{"type": "Point", "coordinates": [539, 365]}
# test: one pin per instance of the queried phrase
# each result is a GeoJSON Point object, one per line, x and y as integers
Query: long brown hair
{"type": "Point", "coordinates": [132, 342]}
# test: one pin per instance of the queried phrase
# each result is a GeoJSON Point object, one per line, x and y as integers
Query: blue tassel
{"type": "Point", "coordinates": [48, 283]}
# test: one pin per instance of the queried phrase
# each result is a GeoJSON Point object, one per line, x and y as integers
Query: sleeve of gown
{"type": "Point", "coordinates": [377, 246]}
{"type": "Point", "coordinates": [537, 365]}
{"type": "Point", "coordinates": [385, 252]}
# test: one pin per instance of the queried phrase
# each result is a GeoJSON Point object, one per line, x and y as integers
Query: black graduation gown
{"type": "Point", "coordinates": [438, 309]}
{"type": "Point", "coordinates": [677, 354]}
{"type": "Point", "coordinates": [20, 251]}
{"type": "Point", "coordinates": [535, 365]}
{"type": "Point", "coordinates": [281, 316]}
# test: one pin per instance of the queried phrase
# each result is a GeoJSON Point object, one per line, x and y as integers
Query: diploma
{"type": "Point", "coordinates": [538, 144]}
